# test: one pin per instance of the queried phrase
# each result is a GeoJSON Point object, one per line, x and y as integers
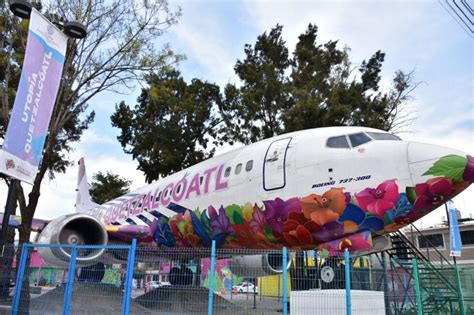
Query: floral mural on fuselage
{"type": "Point", "coordinates": [335, 220]}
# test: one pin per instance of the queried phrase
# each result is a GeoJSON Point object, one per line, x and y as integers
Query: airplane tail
{"type": "Point", "coordinates": [83, 198]}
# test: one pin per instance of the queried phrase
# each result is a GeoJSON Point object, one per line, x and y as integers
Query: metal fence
{"type": "Point", "coordinates": [139, 280]}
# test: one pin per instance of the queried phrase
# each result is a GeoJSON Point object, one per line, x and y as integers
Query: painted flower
{"type": "Point", "coordinates": [298, 230]}
{"type": "Point", "coordinates": [356, 242]}
{"type": "Point", "coordinates": [182, 227]}
{"type": "Point", "coordinates": [432, 194]}
{"type": "Point", "coordinates": [258, 219]}
{"type": "Point", "coordinates": [379, 200]}
{"type": "Point", "coordinates": [162, 233]}
{"type": "Point", "coordinates": [325, 208]}
{"type": "Point", "coordinates": [352, 217]}
{"type": "Point", "coordinates": [373, 224]}
{"type": "Point", "coordinates": [402, 207]}
{"type": "Point", "coordinates": [276, 212]}
{"type": "Point", "coordinates": [328, 232]}
{"type": "Point", "coordinates": [401, 221]}
{"type": "Point", "coordinates": [219, 222]}
{"type": "Point", "coordinates": [468, 174]}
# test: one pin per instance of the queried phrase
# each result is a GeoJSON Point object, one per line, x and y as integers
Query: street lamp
{"type": "Point", "coordinates": [73, 29]}
{"type": "Point", "coordinates": [21, 8]}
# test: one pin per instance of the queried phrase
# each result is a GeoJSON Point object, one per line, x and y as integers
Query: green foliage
{"type": "Point", "coordinates": [172, 124]}
{"type": "Point", "coordinates": [450, 166]}
{"type": "Point", "coordinates": [320, 91]}
{"type": "Point", "coordinates": [105, 187]}
{"type": "Point", "coordinates": [411, 194]}
{"type": "Point", "coordinates": [174, 121]}
{"type": "Point", "coordinates": [253, 111]}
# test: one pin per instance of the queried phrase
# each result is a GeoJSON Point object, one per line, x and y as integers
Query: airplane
{"type": "Point", "coordinates": [326, 189]}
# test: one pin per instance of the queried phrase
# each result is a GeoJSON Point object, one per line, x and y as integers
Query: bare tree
{"type": "Point", "coordinates": [120, 47]}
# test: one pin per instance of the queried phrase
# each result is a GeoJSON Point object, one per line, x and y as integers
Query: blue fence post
{"type": "Point", "coordinates": [19, 278]}
{"type": "Point", "coordinates": [348, 282]}
{"type": "Point", "coordinates": [129, 279]}
{"type": "Point", "coordinates": [285, 282]}
{"type": "Point", "coordinates": [70, 281]}
{"type": "Point", "coordinates": [211, 278]}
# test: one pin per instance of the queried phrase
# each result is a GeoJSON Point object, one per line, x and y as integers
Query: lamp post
{"type": "Point", "coordinates": [73, 29]}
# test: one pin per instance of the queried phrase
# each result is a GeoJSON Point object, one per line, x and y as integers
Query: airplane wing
{"type": "Point", "coordinates": [37, 225]}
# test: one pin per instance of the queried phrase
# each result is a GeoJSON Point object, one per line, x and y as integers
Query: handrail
{"type": "Point", "coordinates": [427, 261]}
{"type": "Point", "coordinates": [432, 246]}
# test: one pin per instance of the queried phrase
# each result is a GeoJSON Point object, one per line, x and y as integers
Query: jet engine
{"type": "Point", "coordinates": [252, 266]}
{"type": "Point", "coordinates": [73, 229]}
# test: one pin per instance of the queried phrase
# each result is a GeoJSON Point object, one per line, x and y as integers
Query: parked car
{"type": "Point", "coordinates": [245, 287]}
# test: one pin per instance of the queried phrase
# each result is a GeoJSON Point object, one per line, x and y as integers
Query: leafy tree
{"type": "Point", "coordinates": [321, 90]}
{"type": "Point", "coordinates": [325, 91]}
{"type": "Point", "coordinates": [118, 49]}
{"type": "Point", "coordinates": [254, 111]}
{"type": "Point", "coordinates": [172, 124]}
{"type": "Point", "coordinates": [108, 186]}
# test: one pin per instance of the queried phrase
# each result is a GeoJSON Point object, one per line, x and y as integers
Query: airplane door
{"type": "Point", "coordinates": [274, 173]}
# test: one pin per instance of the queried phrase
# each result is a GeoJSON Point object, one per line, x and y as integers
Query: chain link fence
{"type": "Point", "coordinates": [150, 280]}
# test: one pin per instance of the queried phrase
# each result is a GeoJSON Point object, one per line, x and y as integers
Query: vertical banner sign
{"type": "Point", "coordinates": [455, 235]}
{"type": "Point", "coordinates": [39, 83]}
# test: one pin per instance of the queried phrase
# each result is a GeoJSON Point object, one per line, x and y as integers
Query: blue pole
{"type": "Point", "coordinates": [70, 282]}
{"type": "Point", "coordinates": [211, 278]}
{"type": "Point", "coordinates": [129, 279]}
{"type": "Point", "coordinates": [348, 282]}
{"type": "Point", "coordinates": [285, 282]}
{"type": "Point", "coordinates": [19, 278]}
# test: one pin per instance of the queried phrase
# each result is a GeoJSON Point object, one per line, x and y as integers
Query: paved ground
{"type": "Point", "coordinates": [107, 299]}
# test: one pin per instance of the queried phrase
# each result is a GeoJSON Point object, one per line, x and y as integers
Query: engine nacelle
{"type": "Point", "coordinates": [252, 266]}
{"type": "Point", "coordinates": [73, 229]}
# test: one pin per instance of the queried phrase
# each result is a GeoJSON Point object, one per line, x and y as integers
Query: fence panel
{"type": "Point", "coordinates": [87, 288]}
{"type": "Point", "coordinates": [244, 281]}
{"type": "Point", "coordinates": [7, 276]}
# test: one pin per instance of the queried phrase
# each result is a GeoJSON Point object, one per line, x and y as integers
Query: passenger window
{"type": "Point", "coordinates": [227, 171]}
{"type": "Point", "coordinates": [249, 165]}
{"type": "Point", "coordinates": [338, 142]}
{"type": "Point", "coordinates": [358, 139]}
{"type": "Point", "coordinates": [238, 168]}
{"type": "Point", "coordinates": [382, 136]}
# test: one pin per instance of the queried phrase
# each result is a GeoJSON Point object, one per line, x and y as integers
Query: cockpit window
{"type": "Point", "coordinates": [382, 136]}
{"type": "Point", "coordinates": [338, 142]}
{"type": "Point", "coordinates": [358, 139]}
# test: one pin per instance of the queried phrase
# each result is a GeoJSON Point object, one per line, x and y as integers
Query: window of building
{"type": "Point", "coordinates": [467, 237]}
{"type": "Point", "coordinates": [358, 139]}
{"type": "Point", "coordinates": [227, 171]}
{"type": "Point", "coordinates": [238, 168]}
{"type": "Point", "coordinates": [338, 142]}
{"type": "Point", "coordinates": [430, 241]}
{"type": "Point", "coordinates": [382, 136]}
{"type": "Point", "coordinates": [249, 165]}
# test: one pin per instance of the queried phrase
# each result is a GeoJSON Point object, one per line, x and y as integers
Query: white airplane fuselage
{"type": "Point", "coordinates": [314, 164]}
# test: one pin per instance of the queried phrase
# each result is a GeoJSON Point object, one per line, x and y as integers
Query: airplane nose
{"type": "Point", "coordinates": [422, 158]}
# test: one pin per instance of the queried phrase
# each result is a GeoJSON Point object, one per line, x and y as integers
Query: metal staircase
{"type": "Point", "coordinates": [437, 276]}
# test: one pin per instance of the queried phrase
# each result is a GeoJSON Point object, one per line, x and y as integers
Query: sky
{"type": "Point", "coordinates": [415, 35]}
